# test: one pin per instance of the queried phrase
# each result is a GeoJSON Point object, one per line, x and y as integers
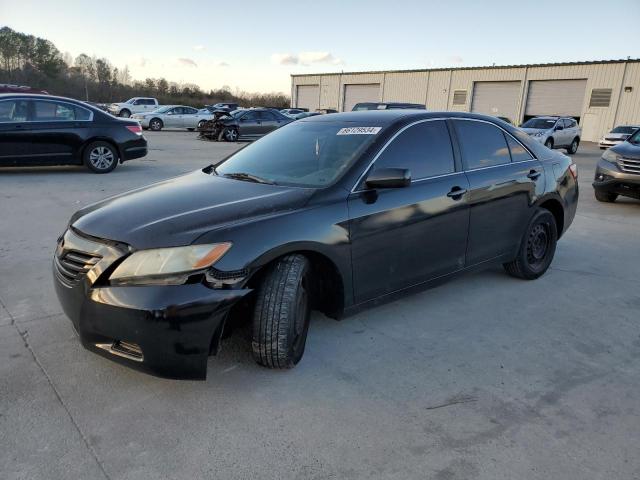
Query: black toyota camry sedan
{"type": "Point", "coordinates": [37, 130]}
{"type": "Point", "coordinates": [334, 213]}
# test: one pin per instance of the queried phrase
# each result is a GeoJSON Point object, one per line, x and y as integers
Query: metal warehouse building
{"type": "Point", "coordinates": [599, 94]}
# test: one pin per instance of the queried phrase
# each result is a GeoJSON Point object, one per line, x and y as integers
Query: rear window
{"type": "Point", "coordinates": [48, 111]}
{"type": "Point", "coordinates": [13, 111]}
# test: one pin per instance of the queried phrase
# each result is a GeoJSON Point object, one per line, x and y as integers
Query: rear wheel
{"type": "Point", "coordinates": [549, 143]}
{"type": "Point", "coordinates": [573, 148]}
{"type": "Point", "coordinates": [281, 313]}
{"type": "Point", "coordinates": [100, 157]}
{"type": "Point", "coordinates": [604, 196]}
{"type": "Point", "coordinates": [155, 124]}
{"type": "Point", "coordinates": [537, 247]}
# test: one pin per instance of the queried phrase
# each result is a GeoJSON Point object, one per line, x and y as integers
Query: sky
{"type": "Point", "coordinates": [256, 45]}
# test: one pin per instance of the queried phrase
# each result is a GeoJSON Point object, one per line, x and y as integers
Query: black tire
{"type": "Point", "coordinates": [100, 157]}
{"type": "Point", "coordinates": [549, 143]}
{"type": "Point", "coordinates": [201, 124]}
{"type": "Point", "coordinates": [573, 148]}
{"type": "Point", "coordinates": [537, 247]}
{"type": "Point", "coordinates": [230, 134]}
{"type": "Point", "coordinates": [281, 313]}
{"type": "Point", "coordinates": [124, 113]}
{"type": "Point", "coordinates": [604, 196]}
{"type": "Point", "coordinates": [155, 124]}
{"type": "Point", "coordinates": [191, 129]}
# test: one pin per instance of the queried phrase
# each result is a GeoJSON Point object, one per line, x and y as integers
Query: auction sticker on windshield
{"type": "Point", "coordinates": [359, 131]}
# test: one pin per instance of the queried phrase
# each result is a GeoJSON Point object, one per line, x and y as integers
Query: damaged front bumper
{"type": "Point", "coordinates": [165, 330]}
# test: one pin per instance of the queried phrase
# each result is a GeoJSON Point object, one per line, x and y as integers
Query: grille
{"type": "Point", "coordinates": [73, 265]}
{"type": "Point", "coordinates": [628, 165]}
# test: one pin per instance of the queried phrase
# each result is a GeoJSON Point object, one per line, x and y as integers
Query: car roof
{"type": "Point", "coordinates": [36, 95]}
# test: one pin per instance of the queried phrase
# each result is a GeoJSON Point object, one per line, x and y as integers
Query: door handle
{"type": "Point", "coordinates": [456, 193]}
{"type": "Point", "coordinates": [533, 174]}
{"type": "Point", "coordinates": [19, 127]}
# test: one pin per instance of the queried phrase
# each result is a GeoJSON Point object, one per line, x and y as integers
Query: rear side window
{"type": "Point", "coordinates": [47, 111]}
{"type": "Point", "coordinates": [482, 144]}
{"type": "Point", "coordinates": [518, 152]}
{"type": "Point", "coordinates": [267, 116]}
{"type": "Point", "coordinates": [13, 111]}
{"type": "Point", "coordinates": [425, 149]}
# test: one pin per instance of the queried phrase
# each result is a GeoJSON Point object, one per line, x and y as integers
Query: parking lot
{"type": "Point", "coordinates": [487, 377]}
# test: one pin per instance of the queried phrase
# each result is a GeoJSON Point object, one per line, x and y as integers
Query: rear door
{"type": "Point", "coordinates": [269, 122]}
{"type": "Point", "coordinates": [250, 124]}
{"type": "Point", "coordinates": [173, 118]}
{"type": "Point", "coordinates": [16, 146]}
{"type": "Point", "coordinates": [404, 236]}
{"type": "Point", "coordinates": [190, 117]}
{"type": "Point", "coordinates": [505, 181]}
{"type": "Point", "coordinates": [57, 131]}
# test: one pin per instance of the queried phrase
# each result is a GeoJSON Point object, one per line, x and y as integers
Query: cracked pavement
{"type": "Point", "coordinates": [485, 377]}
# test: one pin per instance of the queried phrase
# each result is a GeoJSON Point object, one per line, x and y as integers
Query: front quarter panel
{"type": "Point", "coordinates": [321, 229]}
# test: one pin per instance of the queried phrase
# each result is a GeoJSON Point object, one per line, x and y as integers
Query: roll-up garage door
{"type": "Point", "coordinates": [556, 97]}
{"type": "Point", "coordinates": [308, 96]}
{"type": "Point", "coordinates": [499, 99]}
{"type": "Point", "coordinates": [360, 93]}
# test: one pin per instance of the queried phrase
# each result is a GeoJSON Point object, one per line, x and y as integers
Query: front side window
{"type": "Point", "coordinates": [47, 111]}
{"type": "Point", "coordinates": [482, 144]}
{"type": "Point", "coordinates": [304, 154]}
{"type": "Point", "coordinates": [425, 149]}
{"type": "Point", "coordinates": [14, 111]}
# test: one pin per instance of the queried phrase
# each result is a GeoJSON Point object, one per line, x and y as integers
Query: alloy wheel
{"type": "Point", "coordinates": [101, 157]}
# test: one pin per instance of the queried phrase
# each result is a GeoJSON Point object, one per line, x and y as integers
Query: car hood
{"type": "Point", "coordinates": [177, 211]}
{"type": "Point", "coordinates": [531, 131]}
{"type": "Point", "coordinates": [619, 136]}
{"type": "Point", "coordinates": [627, 150]}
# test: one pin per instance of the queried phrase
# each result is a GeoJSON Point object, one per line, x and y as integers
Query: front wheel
{"type": "Point", "coordinates": [573, 148]}
{"type": "Point", "coordinates": [281, 313]}
{"type": "Point", "coordinates": [100, 157]}
{"type": "Point", "coordinates": [536, 248]}
{"type": "Point", "coordinates": [230, 134]}
{"type": "Point", "coordinates": [124, 113]}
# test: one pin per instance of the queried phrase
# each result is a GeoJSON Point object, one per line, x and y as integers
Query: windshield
{"type": "Point", "coordinates": [366, 106]}
{"type": "Point", "coordinates": [303, 154]}
{"type": "Point", "coordinates": [634, 139]}
{"type": "Point", "coordinates": [627, 130]}
{"type": "Point", "coordinates": [541, 123]}
{"type": "Point", "coordinates": [235, 113]}
{"type": "Point", "coordinates": [131, 100]}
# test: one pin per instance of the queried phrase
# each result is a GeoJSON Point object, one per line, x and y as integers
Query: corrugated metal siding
{"type": "Point", "coordinates": [410, 87]}
{"type": "Point", "coordinates": [359, 93]}
{"type": "Point", "coordinates": [436, 88]}
{"type": "Point", "coordinates": [556, 97]}
{"type": "Point", "coordinates": [496, 98]}
{"type": "Point", "coordinates": [308, 96]}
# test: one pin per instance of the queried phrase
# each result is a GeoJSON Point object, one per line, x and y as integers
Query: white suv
{"type": "Point", "coordinates": [554, 132]}
{"type": "Point", "coordinates": [133, 105]}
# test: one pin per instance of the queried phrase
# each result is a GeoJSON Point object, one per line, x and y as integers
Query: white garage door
{"type": "Point", "coordinates": [499, 99]}
{"type": "Point", "coordinates": [360, 93]}
{"type": "Point", "coordinates": [308, 96]}
{"type": "Point", "coordinates": [556, 97]}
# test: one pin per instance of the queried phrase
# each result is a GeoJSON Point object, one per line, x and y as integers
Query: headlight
{"type": "Point", "coordinates": [610, 156]}
{"type": "Point", "coordinates": [539, 134]}
{"type": "Point", "coordinates": [168, 266]}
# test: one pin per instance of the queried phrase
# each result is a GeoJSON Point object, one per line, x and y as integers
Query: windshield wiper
{"type": "Point", "coordinates": [249, 177]}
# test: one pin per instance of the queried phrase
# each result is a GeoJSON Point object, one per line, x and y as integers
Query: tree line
{"type": "Point", "coordinates": [36, 62]}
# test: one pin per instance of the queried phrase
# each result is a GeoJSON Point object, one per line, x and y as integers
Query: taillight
{"type": "Point", "coordinates": [137, 129]}
{"type": "Point", "coordinates": [573, 168]}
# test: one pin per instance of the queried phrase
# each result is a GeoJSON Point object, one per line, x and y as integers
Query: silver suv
{"type": "Point", "coordinates": [554, 132]}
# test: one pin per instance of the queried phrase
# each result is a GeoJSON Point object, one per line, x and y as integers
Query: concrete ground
{"type": "Point", "coordinates": [487, 377]}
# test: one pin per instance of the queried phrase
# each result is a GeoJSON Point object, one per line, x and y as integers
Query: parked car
{"type": "Point", "coordinates": [506, 119]}
{"type": "Point", "coordinates": [324, 111]}
{"type": "Point", "coordinates": [10, 88]}
{"type": "Point", "coordinates": [334, 213]}
{"type": "Point", "coordinates": [251, 124]}
{"type": "Point", "coordinates": [48, 130]}
{"type": "Point", "coordinates": [555, 132]}
{"type": "Point", "coordinates": [617, 135]}
{"type": "Point", "coordinates": [133, 105]}
{"type": "Point", "coordinates": [293, 111]}
{"type": "Point", "coordinates": [618, 171]}
{"type": "Point", "coordinates": [386, 106]}
{"type": "Point", "coordinates": [223, 106]}
{"type": "Point", "coordinates": [173, 116]}
{"type": "Point", "coordinates": [298, 116]}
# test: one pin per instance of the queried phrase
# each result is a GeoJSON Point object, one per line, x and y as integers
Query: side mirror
{"type": "Point", "coordinates": [389, 178]}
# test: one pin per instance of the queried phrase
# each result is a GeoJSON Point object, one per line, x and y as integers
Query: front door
{"type": "Point", "coordinates": [250, 124]}
{"type": "Point", "coordinates": [405, 236]}
{"type": "Point", "coordinates": [16, 147]}
{"type": "Point", "coordinates": [505, 180]}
